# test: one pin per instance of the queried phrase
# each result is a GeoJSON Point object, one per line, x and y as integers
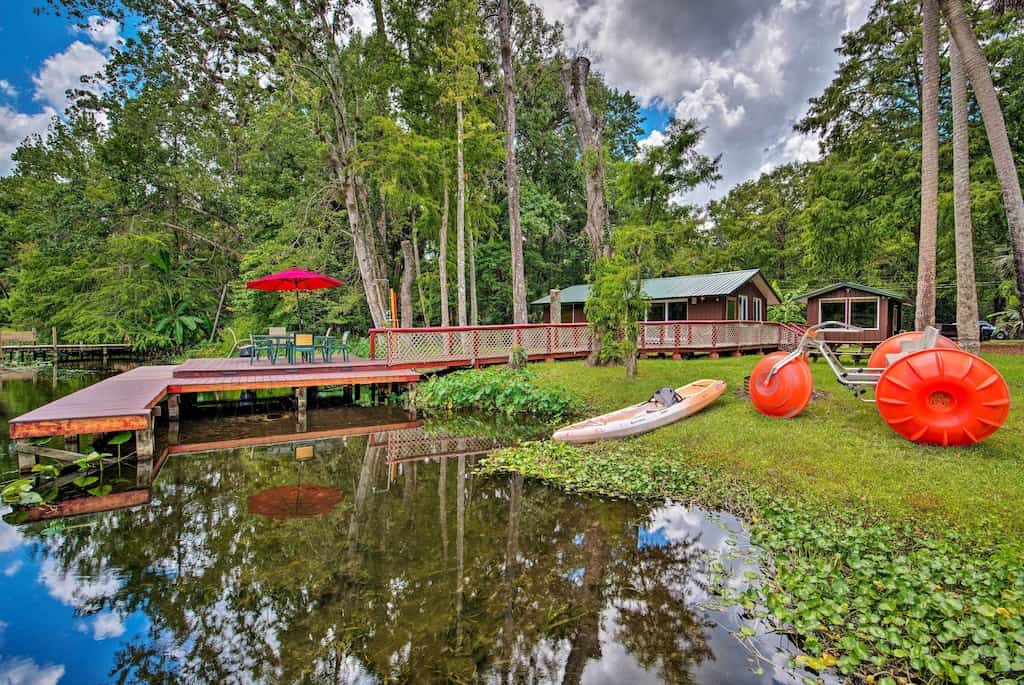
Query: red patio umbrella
{"type": "Point", "coordinates": [294, 279]}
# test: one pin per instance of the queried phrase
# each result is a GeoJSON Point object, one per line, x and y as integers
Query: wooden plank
{"type": "Point", "coordinates": [181, 386]}
{"type": "Point", "coordinates": [89, 505]}
{"type": "Point", "coordinates": [50, 453]}
{"type": "Point", "coordinates": [264, 440]}
{"type": "Point", "coordinates": [74, 426]}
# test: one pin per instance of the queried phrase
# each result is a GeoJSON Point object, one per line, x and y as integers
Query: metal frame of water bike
{"type": "Point", "coordinates": [857, 379]}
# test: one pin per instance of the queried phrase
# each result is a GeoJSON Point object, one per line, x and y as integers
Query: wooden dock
{"type": "Point", "coordinates": [129, 401]}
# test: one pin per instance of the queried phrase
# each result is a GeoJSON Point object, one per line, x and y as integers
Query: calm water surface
{"type": "Point", "coordinates": [415, 571]}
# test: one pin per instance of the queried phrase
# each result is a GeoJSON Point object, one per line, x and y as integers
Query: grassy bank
{"type": "Point", "coordinates": [893, 562]}
{"type": "Point", "coordinates": [839, 452]}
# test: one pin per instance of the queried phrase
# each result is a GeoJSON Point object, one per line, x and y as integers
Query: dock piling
{"type": "Point", "coordinates": [26, 456]}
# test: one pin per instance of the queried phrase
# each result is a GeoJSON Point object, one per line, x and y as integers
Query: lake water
{"type": "Point", "coordinates": [378, 558]}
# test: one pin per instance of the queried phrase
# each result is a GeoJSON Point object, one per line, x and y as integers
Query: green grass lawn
{"type": "Point", "coordinates": [838, 452]}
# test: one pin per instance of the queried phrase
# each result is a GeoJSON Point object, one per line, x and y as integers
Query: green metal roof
{"type": "Point", "coordinates": [854, 286]}
{"type": "Point", "coordinates": [671, 287]}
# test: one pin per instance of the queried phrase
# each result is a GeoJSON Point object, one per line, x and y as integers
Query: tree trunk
{"type": "Point", "coordinates": [925, 305]}
{"type": "Point", "coordinates": [976, 66]}
{"type": "Point", "coordinates": [515, 229]}
{"type": "Point", "coordinates": [365, 249]}
{"type": "Point", "coordinates": [407, 278]}
{"type": "Point", "coordinates": [966, 289]}
{"type": "Point", "coordinates": [474, 311]}
{"type": "Point", "coordinates": [442, 258]}
{"type": "Point", "coordinates": [424, 312]}
{"type": "Point", "coordinates": [589, 129]}
{"type": "Point", "coordinates": [460, 218]}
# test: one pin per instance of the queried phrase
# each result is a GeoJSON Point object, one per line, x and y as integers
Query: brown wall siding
{"type": "Point", "coordinates": [886, 327]}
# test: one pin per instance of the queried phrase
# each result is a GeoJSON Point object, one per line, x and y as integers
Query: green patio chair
{"type": "Point", "coordinates": [303, 344]}
{"type": "Point", "coordinates": [263, 345]}
{"type": "Point", "coordinates": [330, 344]}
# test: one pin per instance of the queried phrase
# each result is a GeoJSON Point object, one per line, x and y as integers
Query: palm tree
{"type": "Point", "coordinates": [925, 306]}
{"type": "Point", "coordinates": [966, 290]}
{"type": "Point", "coordinates": [977, 69]}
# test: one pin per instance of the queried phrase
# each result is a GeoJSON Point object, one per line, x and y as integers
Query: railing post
{"type": "Point", "coordinates": [390, 347]}
{"type": "Point", "coordinates": [714, 341]}
{"type": "Point", "coordinates": [373, 344]}
{"type": "Point", "coordinates": [476, 347]}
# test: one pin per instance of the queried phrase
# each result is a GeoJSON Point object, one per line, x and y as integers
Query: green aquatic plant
{"type": "Point", "coordinates": [118, 440]}
{"type": "Point", "coordinates": [509, 391]}
{"type": "Point", "coordinates": [20, 492]}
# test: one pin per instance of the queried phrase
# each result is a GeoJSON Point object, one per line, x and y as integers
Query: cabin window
{"type": "Point", "coordinates": [864, 313]}
{"type": "Point", "coordinates": [832, 310]}
{"type": "Point", "coordinates": [744, 308]}
{"type": "Point", "coordinates": [758, 309]}
{"type": "Point", "coordinates": [656, 311]}
{"type": "Point", "coordinates": [677, 311]}
{"type": "Point", "coordinates": [730, 310]}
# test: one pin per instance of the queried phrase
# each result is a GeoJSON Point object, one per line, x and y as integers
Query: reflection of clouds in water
{"type": "Point", "coordinates": [107, 625]}
{"type": "Point", "coordinates": [28, 672]}
{"type": "Point", "coordinates": [73, 590]}
{"type": "Point", "coordinates": [10, 538]}
{"type": "Point", "coordinates": [13, 567]}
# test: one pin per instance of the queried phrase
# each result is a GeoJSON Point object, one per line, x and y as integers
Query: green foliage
{"type": "Point", "coordinates": [508, 391]}
{"type": "Point", "coordinates": [615, 305]}
{"type": "Point", "coordinates": [789, 310]}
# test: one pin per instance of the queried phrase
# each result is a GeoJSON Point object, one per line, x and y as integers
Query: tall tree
{"type": "Point", "coordinates": [589, 129]}
{"type": "Point", "coordinates": [442, 256]}
{"type": "Point", "coordinates": [515, 229]}
{"type": "Point", "coordinates": [976, 66]}
{"type": "Point", "coordinates": [408, 270]}
{"type": "Point", "coordinates": [966, 289]}
{"type": "Point", "coordinates": [927, 236]}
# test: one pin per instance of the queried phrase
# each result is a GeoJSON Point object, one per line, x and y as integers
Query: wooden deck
{"type": "Point", "coordinates": [126, 401]}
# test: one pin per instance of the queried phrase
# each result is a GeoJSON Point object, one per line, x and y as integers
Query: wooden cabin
{"type": "Point", "coordinates": [725, 296]}
{"type": "Point", "coordinates": [879, 312]}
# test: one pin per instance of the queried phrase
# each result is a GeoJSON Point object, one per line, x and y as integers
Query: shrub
{"type": "Point", "coordinates": [510, 391]}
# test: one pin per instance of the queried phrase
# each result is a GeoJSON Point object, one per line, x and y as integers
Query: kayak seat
{"type": "Point", "coordinates": [666, 397]}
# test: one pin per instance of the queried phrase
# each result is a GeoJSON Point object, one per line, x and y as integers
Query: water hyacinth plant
{"type": "Point", "coordinates": [509, 391]}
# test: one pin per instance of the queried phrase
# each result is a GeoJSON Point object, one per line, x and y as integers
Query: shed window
{"type": "Point", "coordinates": [864, 313]}
{"type": "Point", "coordinates": [677, 311]}
{"type": "Point", "coordinates": [656, 311]}
{"type": "Point", "coordinates": [758, 309]}
{"type": "Point", "coordinates": [730, 310]}
{"type": "Point", "coordinates": [833, 310]}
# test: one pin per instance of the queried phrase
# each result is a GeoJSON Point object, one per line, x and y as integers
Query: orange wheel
{"type": "Point", "coordinates": [788, 391]}
{"type": "Point", "coordinates": [943, 397]}
{"type": "Point", "coordinates": [892, 346]}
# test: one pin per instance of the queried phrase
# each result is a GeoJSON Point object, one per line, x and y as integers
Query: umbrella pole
{"type": "Point", "coordinates": [298, 305]}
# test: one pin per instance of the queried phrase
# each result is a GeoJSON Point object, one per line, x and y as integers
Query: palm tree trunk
{"type": "Point", "coordinates": [442, 258]}
{"type": "Point", "coordinates": [925, 306]}
{"type": "Point", "coordinates": [976, 66]}
{"type": "Point", "coordinates": [515, 229]}
{"type": "Point", "coordinates": [460, 218]}
{"type": "Point", "coordinates": [966, 289]}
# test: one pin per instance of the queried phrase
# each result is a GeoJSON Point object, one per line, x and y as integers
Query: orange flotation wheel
{"type": "Point", "coordinates": [892, 344]}
{"type": "Point", "coordinates": [787, 393]}
{"type": "Point", "coordinates": [943, 396]}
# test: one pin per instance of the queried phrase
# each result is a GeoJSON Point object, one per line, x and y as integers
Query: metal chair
{"type": "Point", "coordinates": [263, 344]}
{"type": "Point", "coordinates": [330, 344]}
{"type": "Point", "coordinates": [305, 345]}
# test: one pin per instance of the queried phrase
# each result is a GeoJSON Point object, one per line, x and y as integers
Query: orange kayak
{"type": "Point", "coordinates": [644, 417]}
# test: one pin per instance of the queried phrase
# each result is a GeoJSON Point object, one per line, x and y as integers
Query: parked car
{"type": "Point", "coordinates": [986, 331]}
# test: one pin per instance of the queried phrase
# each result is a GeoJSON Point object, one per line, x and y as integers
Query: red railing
{"type": "Point", "coordinates": [460, 345]}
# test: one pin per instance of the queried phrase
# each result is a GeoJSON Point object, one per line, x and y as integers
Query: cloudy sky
{"type": "Point", "coordinates": [744, 68]}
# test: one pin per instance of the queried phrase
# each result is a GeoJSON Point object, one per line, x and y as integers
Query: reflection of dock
{"type": "Point", "coordinates": [286, 438]}
{"type": "Point", "coordinates": [415, 444]}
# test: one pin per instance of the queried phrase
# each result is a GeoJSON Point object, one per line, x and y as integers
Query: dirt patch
{"type": "Point", "coordinates": [1011, 347]}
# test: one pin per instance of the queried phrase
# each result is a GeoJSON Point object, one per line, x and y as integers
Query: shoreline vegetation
{"type": "Point", "coordinates": [892, 562]}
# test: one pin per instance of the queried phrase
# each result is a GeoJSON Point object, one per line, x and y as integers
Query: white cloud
{"type": "Point", "coordinates": [14, 128]}
{"type": "Point", "coordinates": [105, 32]}
{"type": "Point", "coordinates": [64, 71]}
{"type": "Point", "coordinates": [7, 89]}
{"type": "Point", "coordinates": [10, 537]}
{"type": "Point", "coordinates": [707, 102]}
{"type": "Point", "coordinates": [27, 672]}
{"type": "Point", "coordinates": [107, 625]}
{"type": "Point", "coordinates": [655, 139]}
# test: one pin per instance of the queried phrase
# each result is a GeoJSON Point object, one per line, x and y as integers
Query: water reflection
{"type": "Point", "coordinates": [419, 572]}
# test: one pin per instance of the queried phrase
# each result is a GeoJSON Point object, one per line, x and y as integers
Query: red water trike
{"type": "Point", "coordinates": [925, 387]}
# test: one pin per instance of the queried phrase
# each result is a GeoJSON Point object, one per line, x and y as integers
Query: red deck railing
{"type": "Point", "coordinates": [460, 345]}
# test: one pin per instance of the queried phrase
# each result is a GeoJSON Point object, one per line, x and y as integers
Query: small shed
{"type": "Point", "coordinates": [724, 296]}
{"type": "Point", "coordinates": [879, 312]}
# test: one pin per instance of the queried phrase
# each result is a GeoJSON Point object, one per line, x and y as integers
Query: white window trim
{"type": "Point", "coordinates": [758, 309]}
{"type": "Point", "coordinates": [846, 308]}
{"type": "Point", "coordinates": [744, 308]}
{"type": "Point", "coordinates": [878, 310]}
